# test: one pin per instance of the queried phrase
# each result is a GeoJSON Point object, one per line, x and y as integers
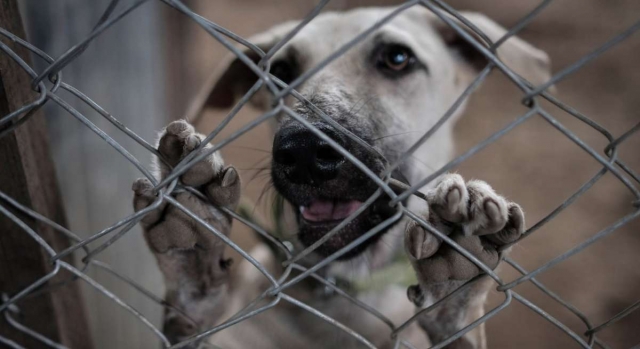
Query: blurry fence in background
{"type": "Point", "coordinates": [48, 84]}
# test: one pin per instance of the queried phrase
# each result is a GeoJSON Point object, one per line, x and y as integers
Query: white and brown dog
{"type": "Point", "coordinates": [387, 90]}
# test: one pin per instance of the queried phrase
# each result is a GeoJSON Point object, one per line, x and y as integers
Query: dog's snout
{"type": "Point", "coordinates": [304, 157]}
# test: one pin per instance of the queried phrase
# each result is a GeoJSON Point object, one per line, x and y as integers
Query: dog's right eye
{"type": "Point", "coordinates": [283, 70]}
{"type": "Point", "coordinates": [396, 60]}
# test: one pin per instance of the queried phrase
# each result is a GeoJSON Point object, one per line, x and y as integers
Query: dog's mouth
{"type": "Point", "coordinates": [328, 211]}
{"type": "Point", "coordinates": [320, 216]}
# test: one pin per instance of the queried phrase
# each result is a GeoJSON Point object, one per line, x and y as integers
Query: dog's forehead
{"type": "Point", "coordinates": [331, 31]}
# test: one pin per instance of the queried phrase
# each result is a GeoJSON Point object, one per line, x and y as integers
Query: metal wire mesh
{"type": "Point", "coordinates": [609, 160]}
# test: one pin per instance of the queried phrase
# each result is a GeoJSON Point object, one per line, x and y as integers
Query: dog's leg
{"type": "Point", "coordinates": [480, 221]}
{"type": "Point", "coordinates": [189, 256]}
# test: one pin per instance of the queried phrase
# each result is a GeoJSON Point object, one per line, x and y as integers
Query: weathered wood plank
{"type": "Point", "coordinates": [27, 174]}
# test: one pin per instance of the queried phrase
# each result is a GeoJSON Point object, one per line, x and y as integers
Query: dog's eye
{"type": "Point", "coordinates": [396, 59]}
{"type": "Point", "coordinates": [283, 70]}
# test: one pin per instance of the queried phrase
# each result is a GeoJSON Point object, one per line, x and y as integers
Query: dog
{"type": "Point", "coordinates": [387, 90]}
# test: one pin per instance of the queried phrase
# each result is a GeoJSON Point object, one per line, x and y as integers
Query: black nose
{"type": "Point", "coordinates": [305, 158]}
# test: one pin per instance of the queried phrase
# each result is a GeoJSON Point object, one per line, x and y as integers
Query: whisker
{"type": "Point", "coordinates": [256, 165]}
{"type": "Point", "coordinates": [249, 148]}
{"type": "Point", "coordinates": [261, 175]}
{"type": "Point", "coordinates": [289, 235]}
{"type": "Point", "coordinates": [253, 168]}
{"type": "Point", "coordinates": [266, 158]}
{"type": "Point", "coordinates": [414, 158]}
{"type": "Point", "coordinates": [268, 186]}
{"type": "Point", "coordinates": [394, 135]}
{"type": "Point", "coordinates": [367, 262]}
{"type": "Point", "coordinates": [260, 170]}
{"type": "Point", "coordinates": [354, 105]}
{"type": "Point", "coordinates": [363, 104]}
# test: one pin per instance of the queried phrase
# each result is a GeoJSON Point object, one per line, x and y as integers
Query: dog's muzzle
{"type": "Point", "coordinates": [324, 186]}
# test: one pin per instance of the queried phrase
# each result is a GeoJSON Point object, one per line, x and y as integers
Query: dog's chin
{"type": "Point", "coordinates": [321, 216]}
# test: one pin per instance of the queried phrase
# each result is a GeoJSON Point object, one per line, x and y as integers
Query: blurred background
{"type": "Point", "coordinates": [145, 70]}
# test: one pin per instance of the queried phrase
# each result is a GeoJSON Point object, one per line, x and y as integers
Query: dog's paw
{"type": "Point", "coordinates": [177, 141]}
{"type": "Point", "coordinates": [169, 228]}
{"type": "Point", "coordinates": [472, 215]}
{"type": "Point", "coordinates": [190, 256]}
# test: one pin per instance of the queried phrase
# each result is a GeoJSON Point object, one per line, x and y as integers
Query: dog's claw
{"type": "Point", "coordinates": [453, 198]}
{"type": "Point", "coordinates": [179, 140]}
{"type": "Point", "coordinates": [230, 177]}
{"type": "Point", "coordinates": [142, 187]}
{"type": "Point", "coordinates": [419, 242]}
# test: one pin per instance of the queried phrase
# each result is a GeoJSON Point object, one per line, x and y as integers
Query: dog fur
{"type": "Point", "coordinates": [389, 114]}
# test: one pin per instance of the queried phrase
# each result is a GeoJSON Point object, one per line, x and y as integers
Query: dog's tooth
{"type": "Point", "coordinates": [302, 208]}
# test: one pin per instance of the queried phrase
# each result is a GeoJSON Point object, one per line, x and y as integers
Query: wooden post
{"type": "Point", "coordinates": [27, 174]}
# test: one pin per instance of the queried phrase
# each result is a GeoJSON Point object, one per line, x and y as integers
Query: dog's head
{"type": "Point", "coordinates": [387, 90]}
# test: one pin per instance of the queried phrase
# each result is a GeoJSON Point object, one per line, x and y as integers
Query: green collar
{"type": "Point", "coordinates": [399, 272]}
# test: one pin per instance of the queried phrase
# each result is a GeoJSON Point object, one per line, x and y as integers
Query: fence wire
{"type": "Point", "coordinates": [276, 294]}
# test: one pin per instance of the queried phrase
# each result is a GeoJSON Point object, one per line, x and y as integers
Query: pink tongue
{"type": "Point", "coordinates": [321, 210]}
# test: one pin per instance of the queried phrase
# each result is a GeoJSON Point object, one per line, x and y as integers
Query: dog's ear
{"type": "Point", "coordinates": [232, 78]}
{"type": "Point", "coordinates": [523, 58]}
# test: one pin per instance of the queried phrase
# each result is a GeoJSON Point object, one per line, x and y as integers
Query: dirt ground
{"type": "Point", "coordinates": [534, 165]}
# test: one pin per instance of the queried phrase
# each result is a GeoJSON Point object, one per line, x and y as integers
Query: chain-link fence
{"type": "Point", "coordinates": [398, 192]}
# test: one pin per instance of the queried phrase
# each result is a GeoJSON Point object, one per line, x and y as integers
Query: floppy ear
{"type": "Point", "coordinates": [523, 58]}
{"type": "Point", "coordinates": [232, 78]}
